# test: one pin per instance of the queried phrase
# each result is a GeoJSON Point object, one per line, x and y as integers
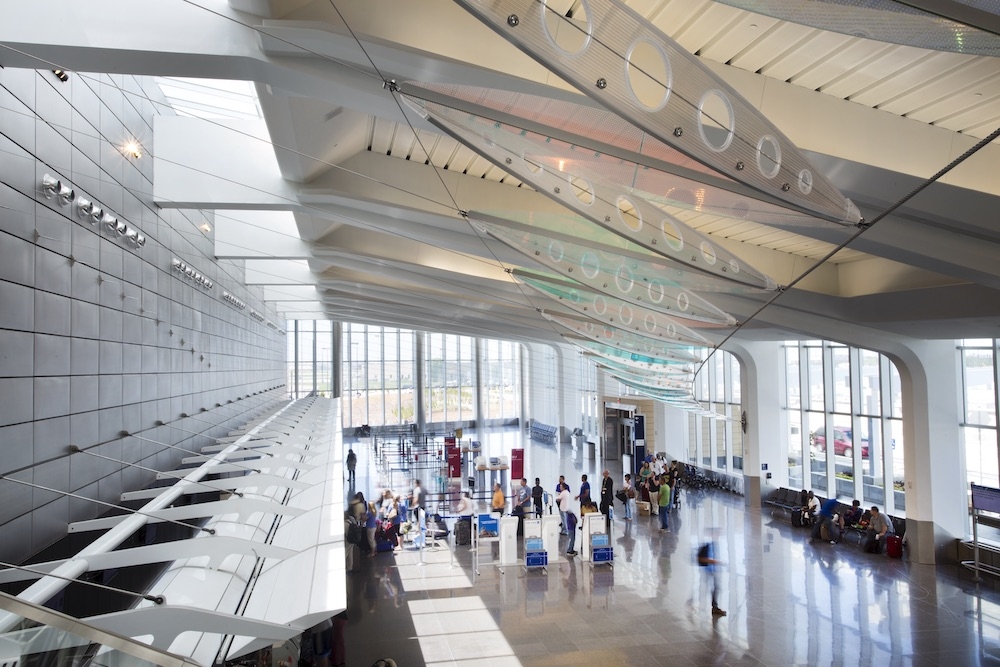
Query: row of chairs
{"type": "Point", "coordinates": [543, 432]}
{"type": "Point", "coordinates": [792, 500]}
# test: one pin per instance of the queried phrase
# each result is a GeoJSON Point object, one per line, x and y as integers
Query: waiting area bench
{"type": "Point", "coordinates": [790, 500]}
{"type": "Point", "coordinates": [543, 432]}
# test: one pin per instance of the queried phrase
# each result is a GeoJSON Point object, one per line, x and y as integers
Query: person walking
{"type": "Point", "coordinates": [352, 463]}
{"type": "Point", "coordinates": [571, 531]}
{"type": "Point", "coordinates": [537, 493]}
{"type": "Point", "coordinates": [563, 499]}
{"type": "Point", "coordinates": [629, 496]}
{"type": "Point", "coordinates": [710, 565]}
{"type": "Point", "coordinates": [663, 501]}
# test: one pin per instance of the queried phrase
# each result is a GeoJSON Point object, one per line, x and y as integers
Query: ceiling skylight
{"type": "Point", "coordinates": [211, 98]}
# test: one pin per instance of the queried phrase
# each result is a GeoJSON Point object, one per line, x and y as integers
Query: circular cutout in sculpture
{"type": "Point", "coordinates": [716, 120]}
{"type": "Point", "coordinates": [571, 35]}
{"type": "Point", "coordinates": [647, 71]}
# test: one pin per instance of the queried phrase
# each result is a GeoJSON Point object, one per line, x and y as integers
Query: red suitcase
{"type": "Point", "coordinates": [894, 546]}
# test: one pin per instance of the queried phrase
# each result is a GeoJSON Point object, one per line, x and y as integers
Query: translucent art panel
{"type": "Point", "coordinates": [619, 338]}
{"type": "Point", "coordinates": [626, 65]}
{"type": "Point", "coordinates": [627, 215]}
{"type": "Point", "coordinates": [592, 299]}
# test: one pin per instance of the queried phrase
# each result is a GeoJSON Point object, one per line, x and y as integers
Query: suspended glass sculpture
{"type": "Point", "coordinates": [611, 54]}
{"type": "Point", "coordinates": [570, 138]}
{"type": "Point", "coordinates": [635, 359]}
{"type": "Point", "coordinates": [605, 332]}
{"type": "Point", "coordinates": [626, 215]}
{"type": "Point", "coordinates": [661, 308]}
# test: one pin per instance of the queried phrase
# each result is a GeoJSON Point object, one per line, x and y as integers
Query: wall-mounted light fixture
{"type": "Point", "coordinates": [84, 207]}
{"type": "Point", "coordinates": [132, 149]}
{"type": "Point", "coordinates": [257, 316]}
{"type": "Point", "coordinates": [187, 271]}
{"type": "Point", "coordinates": [233, 300]}
{"type": "Point", "coordinates": [53, 187]}
{"type": "Point", "coordinates": [61, 75]}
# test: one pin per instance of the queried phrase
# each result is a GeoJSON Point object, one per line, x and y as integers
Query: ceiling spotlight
{"type": "Point", "coordinates": [96, 214]}
{"type": "Point", "coordinates": [120, 228]}
{"type": "Point", "coordinates": [51, 186]}
{"type": "Point", "coordinates": [110, 222]}
{"type": "Point", "coordinates": [131, 235]}
{"type": "Point", "coordinates": [84, 207]}
{"type": "Point", "coordinates": [205, 227]}
{"type": "Point", "coordinates": [140, 241]}
{"type": "Point", "coordinates": [61, 75]}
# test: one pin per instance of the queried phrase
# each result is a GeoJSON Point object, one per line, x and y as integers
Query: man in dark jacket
{"type": "Point", "coordinates": [607, 498]}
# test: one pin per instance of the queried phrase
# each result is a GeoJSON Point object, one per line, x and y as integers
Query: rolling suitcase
{"type": "Point", "coordinates": [894, 546]}
{"type": "Point", "coordinates": [797, 517]}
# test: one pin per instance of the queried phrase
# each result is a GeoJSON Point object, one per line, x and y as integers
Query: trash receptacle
{"type": "Point", "coordinates": [590, 451]}
{"type": "Point", "coordinates": [577, 441]}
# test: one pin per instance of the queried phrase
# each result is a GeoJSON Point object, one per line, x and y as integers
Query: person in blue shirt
{"type": "Point", "coordinates": [584, 496]}
{"type": "Point", "coordinates": [826, 514]}
{"type": "Point", "coordinates": [710, 565]}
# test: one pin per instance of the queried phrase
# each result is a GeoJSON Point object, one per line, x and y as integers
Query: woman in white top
{"type": "Point", "coordinates": [464, 508]}
{"type": "Point", "coordinates": [629, 496]}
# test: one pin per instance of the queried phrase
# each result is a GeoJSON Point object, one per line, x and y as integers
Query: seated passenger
{"type": "Point", "coordinates": [879, 527]}
{"type": "Point", "coordinates": [851, 517]}
{"type": "Point", "coordinates": [809, 509]}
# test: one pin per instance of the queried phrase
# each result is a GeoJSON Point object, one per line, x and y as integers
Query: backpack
{"type": "Point", "coordinates": [703, 555]}
{"type": "Point", "coordinates": [355, 533]}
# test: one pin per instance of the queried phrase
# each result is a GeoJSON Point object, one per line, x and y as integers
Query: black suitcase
{"type": "Point", "coordinates": [463, 533]}
{"type": "Point", "coordinates": [797, 517]}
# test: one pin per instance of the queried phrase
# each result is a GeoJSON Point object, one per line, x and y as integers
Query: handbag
{"type": "Point", "coordinates": [620, 495]}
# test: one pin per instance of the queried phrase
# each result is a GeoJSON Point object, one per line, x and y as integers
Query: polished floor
{"type": "Point", "coordinates": [789, 602]}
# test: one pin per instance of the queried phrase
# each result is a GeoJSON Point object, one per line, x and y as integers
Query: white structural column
{"type": "Point", "coordinates": [766, 439]}
{"type": "Point", "coordinates": [936, 505]}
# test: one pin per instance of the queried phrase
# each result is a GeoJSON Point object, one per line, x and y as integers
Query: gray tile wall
{"type": "Point", "coordinates": [96, 336]}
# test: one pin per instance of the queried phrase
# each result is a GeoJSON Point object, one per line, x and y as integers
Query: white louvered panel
{"type": "Point", "coordinates": [382, 134]}
{"type": "Point", "coordinates": [746, 29]}
{"type": "Point", "coordinates": [648, 9]}
{"type": "Point", "coordinates": [978, 121]}
{"type": "Point", "coordinates": [444, 151]}
{"type": "Point", "coordinates": [424, 143]}
{"type": "Point", "coordinates": [760, 54]}
{"type": "Point", "coordinates": [860, 79]}
{"type": "Point", "coordinates": [705, 27]}
{"type": "Point", "coordinates": [896, 75]}
{"type": "Point", "coordinates": [947, 95]}
{"type": "Point", "coordinates": [514, 182]}
{"type": "Point", "coordinates": [402, 141]}
{"type": "Point", "coordinates": [675, 16]}
{"type": "Point", "coordinates": [463, 159]}
{"type": "Point", "coordinates": [478, 167]}
{"type": "Point", "coordinates": [819, 48]}
{"type": "Point", "coordinates": [494, 173]}
{"type": "Point", "coordinates": [829, 76]}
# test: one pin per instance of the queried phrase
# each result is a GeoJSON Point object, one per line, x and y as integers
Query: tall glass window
{"type": "Point", "coordinates": [979, 403]}
{"type": "Point", "coordinates": [450, 378]}
{"type": "Point", "coordinates": [500, 361]}
{"type": "Point", "coordinates": [310, 358]}
{"type": "Point", "coordinates": [717, 442]}
{"type": "Point", "coordinates": [850, 426]}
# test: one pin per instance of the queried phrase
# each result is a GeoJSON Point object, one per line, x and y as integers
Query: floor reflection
{"type": "Point", "coordinates": [789, 602]}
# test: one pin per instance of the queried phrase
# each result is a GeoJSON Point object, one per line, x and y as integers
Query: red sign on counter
{"type": "Point", "coordinates": [516, 464]}
{"type": "Point", "coordinates": [453, 454]}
